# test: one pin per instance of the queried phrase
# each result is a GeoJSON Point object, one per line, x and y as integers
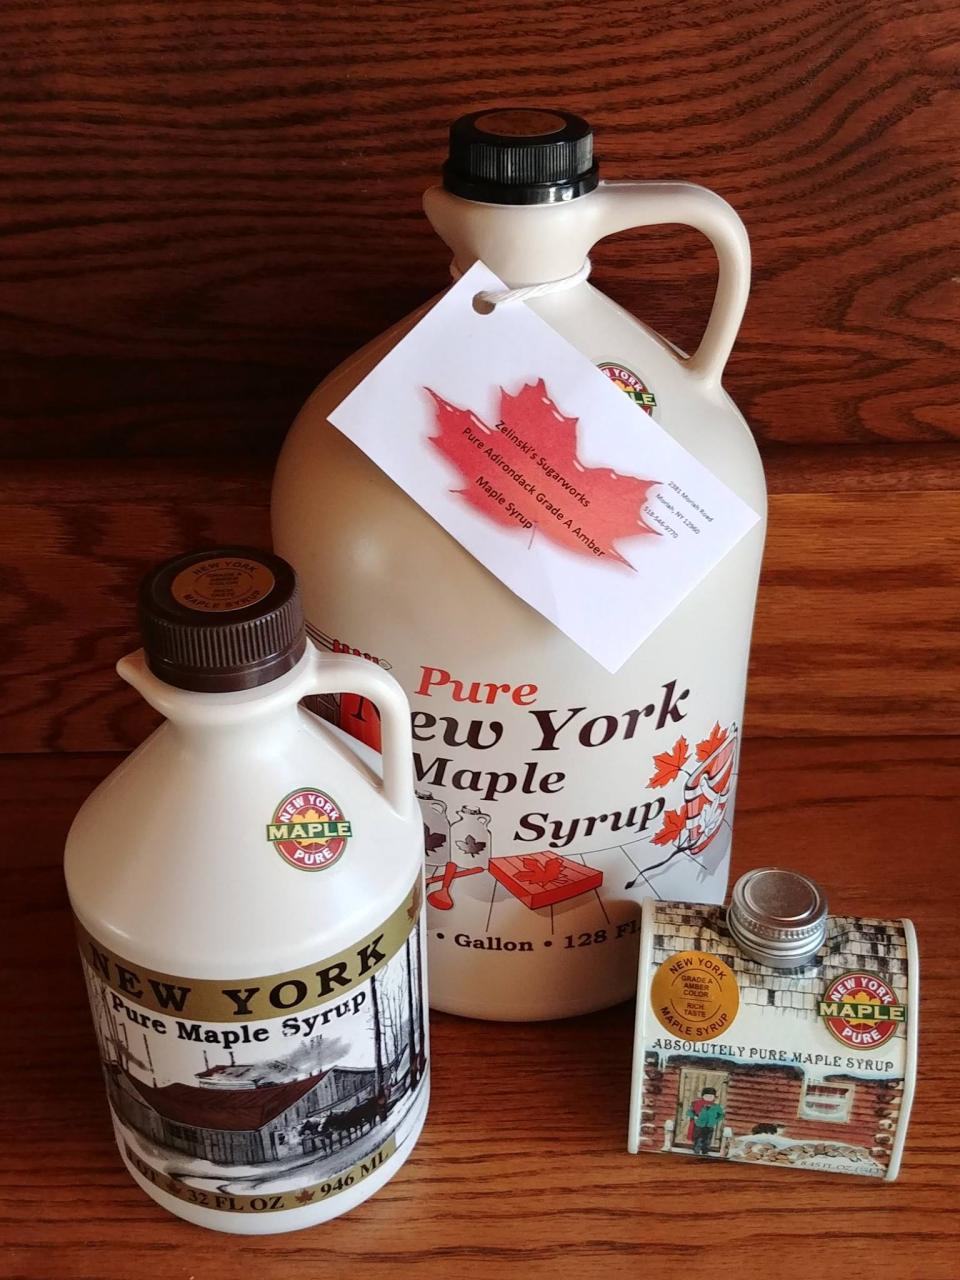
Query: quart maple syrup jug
{"type": "Point", "coordinates": [247, 892]}
{"type": "Point", "coordinates": [577, 792]}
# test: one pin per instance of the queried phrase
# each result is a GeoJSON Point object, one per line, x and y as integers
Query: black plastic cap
{"type": "Point", "coordinates": [520, 155]}
{"type": "Point", "coordinates": [220, 620]}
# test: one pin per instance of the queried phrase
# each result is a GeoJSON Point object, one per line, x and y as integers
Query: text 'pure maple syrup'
{"type": "Point", "coordinates": [247, 892]}
{"type": "Point", "coordinates": [555, 794]}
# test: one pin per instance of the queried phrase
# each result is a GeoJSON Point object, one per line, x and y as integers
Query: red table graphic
{"type": "Point", "coordinates": [542, 879]}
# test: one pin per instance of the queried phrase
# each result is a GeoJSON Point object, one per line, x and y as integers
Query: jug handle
{"type": "Point", "coordinates": [344, 673]}
{"type": "Point", "coordinates": [619, 206]}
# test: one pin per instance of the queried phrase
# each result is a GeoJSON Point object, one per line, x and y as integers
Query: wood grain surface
{"type": "Point", "coordinates": [204, 206]}
{"type": "Point", "coordinates": [207, 203]}
{"type": "Point", "coordinates": [522, 1169]}
{"type": "Point", "coordinates": [856, 632]}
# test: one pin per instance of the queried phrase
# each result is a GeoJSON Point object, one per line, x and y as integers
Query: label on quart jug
{"type": "Point", "coordinates": [258, 1094]}
{"type": "Point", "coordinates": [546, 821]}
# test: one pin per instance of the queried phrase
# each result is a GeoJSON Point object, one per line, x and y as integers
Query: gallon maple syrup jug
{"type": "Point", "coordinates": [247, 892]}
{"type": "Point", "coordinates": [555, 795]}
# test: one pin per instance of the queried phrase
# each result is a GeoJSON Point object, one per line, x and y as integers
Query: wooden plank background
{"type": "Point", "coordinates": [856, 629]}
{"type": "Point", "coordinates": [206, 204]}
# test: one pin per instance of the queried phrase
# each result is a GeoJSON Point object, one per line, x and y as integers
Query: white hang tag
{"type": "Point", "coordinates": [502, 432]}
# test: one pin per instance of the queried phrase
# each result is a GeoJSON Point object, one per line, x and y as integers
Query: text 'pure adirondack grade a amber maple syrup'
{"type": "Point", "coordinates": [247, 889]}
{"type": "Point", "coordinates": [561, 780]}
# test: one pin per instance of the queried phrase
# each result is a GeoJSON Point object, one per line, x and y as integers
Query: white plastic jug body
{"type": "Point", "coordinates": [596, 789]}
{"type": "Point", "coordinates": [258, 1002]}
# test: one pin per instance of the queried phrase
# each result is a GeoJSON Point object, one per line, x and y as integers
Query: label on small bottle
{"type": "Point", "coordinates": [259, 1094]}
{"type": "Point", "coordinates": [811, 1068]}
{"type": "Point", "coordinates": [533, 459]}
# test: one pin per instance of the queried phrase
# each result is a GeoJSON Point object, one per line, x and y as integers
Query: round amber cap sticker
{"type": "Point", "coordinates": [695, 995]}
{"type": "Point", "coordinates": [222, 585]}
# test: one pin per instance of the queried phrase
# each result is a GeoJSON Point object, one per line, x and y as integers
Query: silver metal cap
{"type": "Point", "coordinates": [777, 917]}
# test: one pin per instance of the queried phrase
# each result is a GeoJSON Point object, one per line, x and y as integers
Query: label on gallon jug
{"type": "Point", "coordinates": [534, 460]}
{"type": "Point", "coordinates": [256, 1094]}
{"type": "Point", "coordinates": [546, 821]}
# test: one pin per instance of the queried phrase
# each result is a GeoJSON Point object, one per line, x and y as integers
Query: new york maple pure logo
{"type": "Point", "coordinates": [861, 1010]}
{"type": "Point", "coordinates": [524, 473]}
{"type": "Point", "coordinates": [308, 830]}
{"type": "Point", "coordinates": [630, 384]}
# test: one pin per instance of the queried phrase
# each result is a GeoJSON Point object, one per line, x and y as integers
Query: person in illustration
{"type": "Point", "coordinates": [705, 1114]}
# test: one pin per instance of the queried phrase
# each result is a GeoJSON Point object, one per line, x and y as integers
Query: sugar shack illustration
{"type": "Point", "coordinates": [268, 1116]}
{"type": "Point", "coordinates": [231, 1121]}
{"type": "Point", "coordinates": [814, 1069]}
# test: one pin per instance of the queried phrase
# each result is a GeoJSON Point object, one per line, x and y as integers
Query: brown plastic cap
{"type": "Point", "coordinates": [220, 620]}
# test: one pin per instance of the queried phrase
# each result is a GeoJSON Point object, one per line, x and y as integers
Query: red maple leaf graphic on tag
{"type": "Point", "coordinates": [540, 873]}
{"type": "Point", "coordinates": [667, 764]}
{"type": "Point", "coordinates": [674, 820]}
{"type": "Point", "coordinates": [714, 739]}
{"type": "Point", "coordinates": [524, 473]}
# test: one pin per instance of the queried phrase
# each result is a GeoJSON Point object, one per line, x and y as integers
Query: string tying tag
{"type": "Point", "coordinates": [488, 299]}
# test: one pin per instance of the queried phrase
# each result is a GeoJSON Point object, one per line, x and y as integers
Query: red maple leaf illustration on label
{"type": "Point", "coordinates": [707, 795]}
{"type": "Point", "coordinates": [714, 739]}
{"type": "Point", "coordinates": [669, 763]}
{"type": "Point", "coordinates": [524, 473]}
{"type": "Point", "coordinates": [674, 821]}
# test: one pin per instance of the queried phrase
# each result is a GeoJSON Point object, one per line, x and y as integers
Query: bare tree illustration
{"type": "Point", "coordinates": [411, 1029]}
{"type": "Point", "coordinates": [381, 1093]}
